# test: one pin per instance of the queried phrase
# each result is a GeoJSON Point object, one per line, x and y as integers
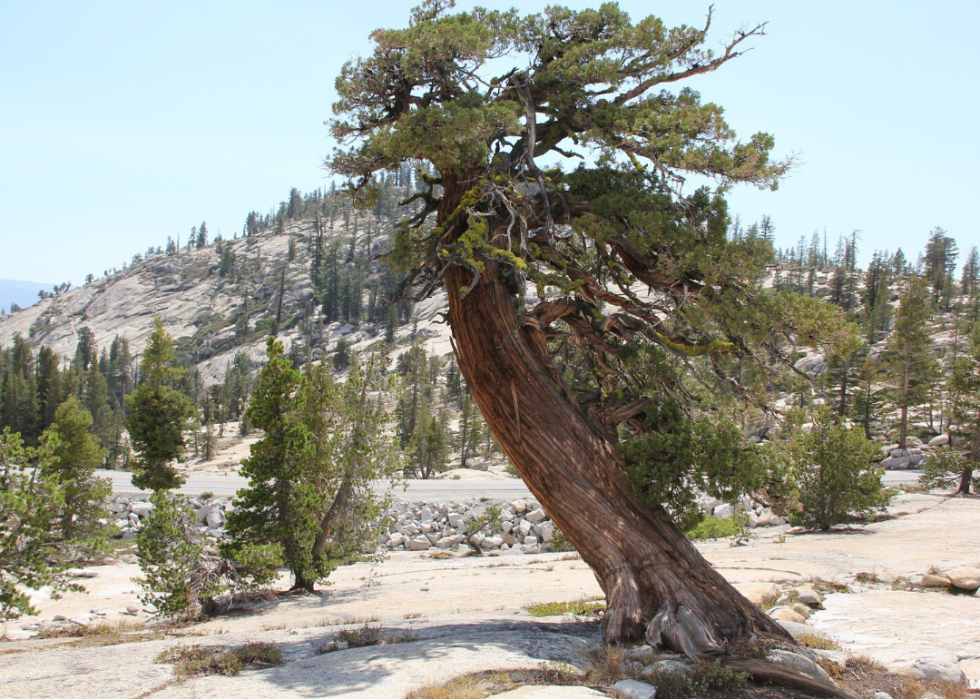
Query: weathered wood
{"type": "Point", "coordinates": [649, 571]}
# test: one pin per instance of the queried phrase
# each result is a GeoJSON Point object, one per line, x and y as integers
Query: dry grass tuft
{"type": "Point", "coordinates": [102, 634]}
{"type": "Point", "coordinates": [606, 666]}
{"type": "Point", "coordinates": [582, 607]}
{"type": "Point", "coordinates": [194, 661]}
{"type": "Point", "coordinates": [910, 689]}
{"type": "Point", "coordinates": [818, 642]}
{"type": "Point", "coordinates": [459, 688]}
{"type": "Point", "coordinates": [950, 690]}
{"type": "Point", "coordinates": [865, 663]}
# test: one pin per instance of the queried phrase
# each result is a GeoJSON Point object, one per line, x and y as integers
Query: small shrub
{"type": "Point", "coordinates": [714, 528]}
{"type": "Point", "coordinates": [559, 543]}
{"type": "Point", "coordinates": [832, 464]}
{"type": "Point", "coordinates": [817, 642]}
{"type": "Point", "coordinates": [193, 661]}
{"type": "Point", "coordinates": [366, 636]}
{"type": "Point", "coordinates": [181, 576]}
{"type": "Point", "coordinates": [578, 608]}
{"type": "Point", "coordinates": [716, 677]}
{"type": "Point", "coordinates": [206, 495]}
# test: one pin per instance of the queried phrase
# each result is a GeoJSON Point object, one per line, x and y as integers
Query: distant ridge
{"type": "Point", "coordinates": [24, 294]}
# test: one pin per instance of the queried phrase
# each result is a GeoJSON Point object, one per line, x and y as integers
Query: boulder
{"type": "Point", "coordinates": [140, 508]}
{"type": "Point", "coordinates": [932, 670]}
{"type": "Point", "coordinates": [537, 515]}
{"type": "Point", "coordinates": [756, 592]}
{"type": "Point", "coordinates": [519, 506]}
{"type": "Point", "coordinates": [803, 610]}
{"type": "Point", "coordinates": [456, 520]}
{"type": "Point", "coordinates": [396, 540]}
{"type": "Point", "coordinates": [966, 578]}
{"type": "Point", "coordinates": [939, 440]}
{"type": "Point", "coordinates": [215, 517]}
{"type": "Point", "coordinates": [552, 691]}
{"type": "Point", "coordinates": [930, 580]}
{"type": "Point", "coordinates": [667, 667]}
{"type": "Point", "coordinates": [643, 654]}
{"type": "Point", "coordinates": [450, 541]}
{"type": "Point", "coordinates": [418, 543]}
{"type": "Point", "coordinates": [547, 532]}
{"type": "Point", "coordinates": [809, 597]}
{"type": "Point", "coordinates": [798, 662]}
{"type": "Point", "coordinates": [787, 614]}
{"type": "Point", "coordinates": [795, 629]}
{"type": "Point", "coordinates": [633, 689]}
{"type": "Point", "coordinates": [725, 511]}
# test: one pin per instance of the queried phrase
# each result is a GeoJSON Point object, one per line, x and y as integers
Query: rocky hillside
{"type": "Point", "coordinates": [213, 315]}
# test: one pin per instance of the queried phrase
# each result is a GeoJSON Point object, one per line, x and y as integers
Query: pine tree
{"type": "Point", "coordinates": [909, 360]}
{"type": "Point", "coordinates": [970, 279]}
{"type": "Point", "coordinates": [279, 504]}
{"type": "Point", "coordinates": [49, 391]}
{"type": "Point", "coordinates": [201, 240]}
{"type": "Point", "coordinates": [844, 484]}
{"type": "Point", "coordinates": [30, 520]}
{"type": "Point", "coordinates": [19, 409]}
{"type": "Point", "coordinates": [74, 456]}
{"type": "Point", "coordinates": [964, 386]}
{"type": "Point", "coordinates": [158, 415]}
{"type": "Point", "coordinates": [940, 261]}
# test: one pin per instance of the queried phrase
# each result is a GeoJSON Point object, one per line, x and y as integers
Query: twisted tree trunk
{"type": "Point", "coordinates": [656, 582]}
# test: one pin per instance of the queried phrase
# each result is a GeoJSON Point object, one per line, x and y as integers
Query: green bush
{"type": "Point", "coordinates": [181, 575]}
{"type": "Point", "coordinates": [837, 480]}
{"type": "Point", "coordinates": [676, 458]}
{"type": "Point", "coordinates": [714, 528]}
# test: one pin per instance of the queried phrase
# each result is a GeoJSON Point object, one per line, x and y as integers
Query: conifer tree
{"type": "Point", "coordinates": [49, 391]}
{"type": "Point", "coordinates": [596, 82]}
{"type": "Point", "coordinates": [158, 415]}
{"type": "Point", "coordinates": [908, 357]}
{"type": "Point", "coordinates": [31, 506]}
{"type": "Point", "coordinates": [940, 262]}
{"type": "Point", "coordinates": [279, 504]}
{"type": "Point", "coordinates": [832, 464]}
{"type": "Point", "coordinates": [962, 459]}
{"type": "Point", "coordinates": [74, 455]}
{"type": "Point", "coordinates": [19, 409]}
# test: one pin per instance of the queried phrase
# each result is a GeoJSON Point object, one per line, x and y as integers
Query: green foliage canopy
{"type": "Point", "coordinates": [158, 415]}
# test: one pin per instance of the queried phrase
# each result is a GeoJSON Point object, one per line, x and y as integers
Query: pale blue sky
{"type": "Point", "coordinates": [125, 122]}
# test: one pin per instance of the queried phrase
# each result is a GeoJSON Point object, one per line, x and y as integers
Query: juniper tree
{"type": "Point", "coordinates": [633, 278]}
